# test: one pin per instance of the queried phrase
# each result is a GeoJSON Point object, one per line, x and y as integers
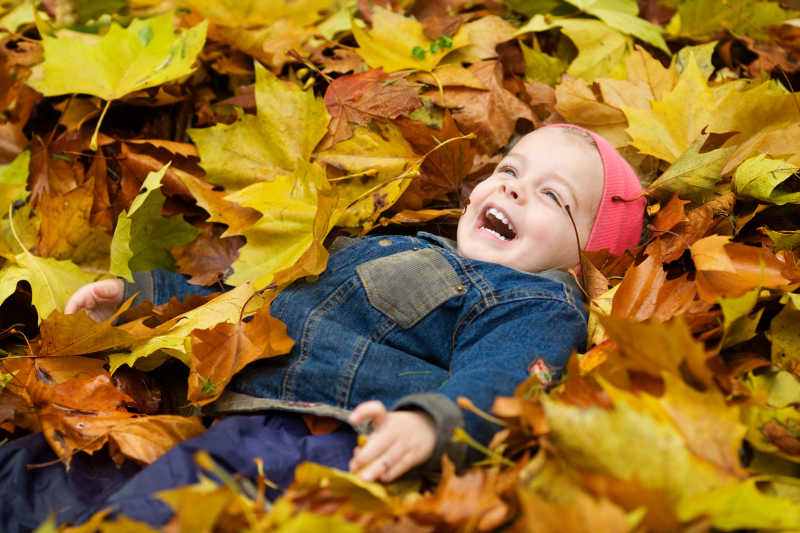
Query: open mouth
{"type": "Point", "coordinates": [496, 222]}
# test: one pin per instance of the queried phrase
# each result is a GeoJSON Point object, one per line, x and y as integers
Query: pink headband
{"type": "Point", "coordinates": [618, 224]}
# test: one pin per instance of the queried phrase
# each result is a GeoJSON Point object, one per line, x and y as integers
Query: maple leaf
{"type": "Point", "coordinates": [145, 54]}
{"type": "Point", "coordinates": [77, 334]}
{"type": "Point", "coordinates": [601, 49]}
{"type": "Point", "coordinates": [620, 442]}
{"type": "Point", "coordinates": [143, 235]}
{"type": "Point", "coordinates": [220, 352]}
{"type": "Point", "coordinates": [676, 120]}
{"type": "Point", "coordinates": [397, 43]}
{"type": "Point", "coordinates": [491, 114]}
{"type": "Point", "coordinates": [360, 98]}
{"type": "Point", "coordinates": [380, 164]}
{"type": "Point", "coordinates": [278, 140]}
{"type": "Point", "coordinates": [740, 506]}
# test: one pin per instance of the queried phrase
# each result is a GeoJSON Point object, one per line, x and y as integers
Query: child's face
{"type": "Point", "coordinates": [517, 217]}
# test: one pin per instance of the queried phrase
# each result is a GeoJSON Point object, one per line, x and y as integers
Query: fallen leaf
{"type": "Point", "coordinates": [220, 352]}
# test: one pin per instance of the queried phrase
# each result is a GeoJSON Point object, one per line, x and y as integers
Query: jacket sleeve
{"type": "Point", "coordinates": [492, 353]}
{"type": "Point", "coordinates": [159, 286]}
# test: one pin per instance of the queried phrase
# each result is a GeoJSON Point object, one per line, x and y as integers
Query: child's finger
{"type": "Point", "coordinates": [80, 300]}
{"type": "Point", "coordinates": [108, 289]}
{"type": "Point", "coordinates": [371, 410]}
{"type": "Point", "coordinates": [384, 462]}
{"type": "Point", "coordinates": [376, 445]}
{"type": "Point", "coordinates": [405, 463]}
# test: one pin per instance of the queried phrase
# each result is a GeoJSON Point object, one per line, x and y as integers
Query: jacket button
{"type": "Point", "coordinates": [461, 288]}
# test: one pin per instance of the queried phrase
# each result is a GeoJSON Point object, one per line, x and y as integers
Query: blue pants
{"type": "Point", "coordinates": [93, 483]}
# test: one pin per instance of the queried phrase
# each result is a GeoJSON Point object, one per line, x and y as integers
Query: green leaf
{"type": "Point", "coordinates": [760, 176]}
{"type": "Point", "coordinates": [288, 126]}
{"type": "Point", "coordinates": [622, 15]}
{"type": "Point", "coordinates": [738, 326]}
{"type": "Point", "coordinates": [784, 240]}
{"type": "Point", "coordinates": [540, 66]}
{"type": "Point", "coordinates": [601, 49]}
{"type": "Point", "coordinates": [145, 54]}
{"type": "Point", "coordinates": [693, 175]}
{"type": "Point", "coordinates": [142, 236]}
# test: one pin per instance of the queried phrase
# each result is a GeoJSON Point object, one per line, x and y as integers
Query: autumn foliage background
{"type": "Point", "coordinates": [234, 139]}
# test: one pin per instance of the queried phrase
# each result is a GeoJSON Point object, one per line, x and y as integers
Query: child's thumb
{"type": "Point", "coordinates": [109, 289]}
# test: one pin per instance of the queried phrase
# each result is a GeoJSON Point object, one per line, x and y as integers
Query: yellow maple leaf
{"type": "Point", "coordinates": [673, 122]}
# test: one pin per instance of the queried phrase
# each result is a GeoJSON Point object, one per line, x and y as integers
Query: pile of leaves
{"type": "Point", "coordinates": [232, 140]}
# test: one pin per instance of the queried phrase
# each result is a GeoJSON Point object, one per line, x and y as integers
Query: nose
{"type": "Point", "coordinates": [511, 190]}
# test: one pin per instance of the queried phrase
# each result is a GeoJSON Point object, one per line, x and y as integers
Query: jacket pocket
{"type": "Point", "coordinates": [406, 286]}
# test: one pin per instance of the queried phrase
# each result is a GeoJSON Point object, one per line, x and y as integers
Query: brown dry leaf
{"type": "Point", "coordinates": [729, 269]}
{"type": "Point", "coordinates": [220, 352]}
{"type": "Point", "coordinates": [474, 498]}
{"type": "Point", "coordinates": [361, 98]}
{"type": "Point", "coordinates": [444, 169]}
{"type": "Point", "coordinates": [145, 439]}
{"type": "Point", "coordinates": [637, 295]}
{"type": "Point", "coordinates": [67, 231]}
{"type": "Point", "coordinates": [207, 259]}
{"type": "Point", "coordinates": [77, 334]}
{"type": "Point", "coordinates": [76, 111]}
{"type": "Point", "coordinates": [338, 61]}
{"type": "Point", "coordinates": [237, 217]}
{"type": "Point", "coordinates": [670, 215]}
{"type": "Point", "coordinates": [51, 170]}
{"type": "Point", "coordinates": [492, 114]}
{"type": "Point", "coordinates": [578, 103]}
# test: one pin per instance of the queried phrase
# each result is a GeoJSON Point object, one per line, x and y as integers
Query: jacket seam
{"type": "Point", "coordinates": [311, 322]}
{"type": "Point", "coordinates": [350, 369]}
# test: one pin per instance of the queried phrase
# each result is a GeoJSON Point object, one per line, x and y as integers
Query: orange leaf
{"type": "Point", "coordinates": [218, 353]}
{"type": "Point", "coordinates": [145, 439]}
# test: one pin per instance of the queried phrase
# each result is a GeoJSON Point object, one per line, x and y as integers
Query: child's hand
{"type": "Point", "coordinates": [100, 299]}
{"type": "Point", "coordinates": [401, 440]}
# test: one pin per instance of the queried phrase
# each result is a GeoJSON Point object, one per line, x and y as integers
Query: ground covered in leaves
{"type": "Point", "coordinates": [235, 138]}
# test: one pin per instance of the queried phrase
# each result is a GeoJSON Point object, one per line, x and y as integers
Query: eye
{"type": "Point", "coordinates": [553, 196]}
{"type": "Point", "coordinates": [505, 169]}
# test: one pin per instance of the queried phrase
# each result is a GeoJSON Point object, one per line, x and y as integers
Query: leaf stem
{"type": "Point", "coordinates": [93, 143]}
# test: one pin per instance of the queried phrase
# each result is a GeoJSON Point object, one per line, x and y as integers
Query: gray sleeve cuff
{"type": "Point", "coordinates": [142, 286]}
{"type": "Point", "coordinates": [446, 417]}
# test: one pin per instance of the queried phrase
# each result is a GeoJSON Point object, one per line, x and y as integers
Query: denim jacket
{"type": "Point", "coordinates": [408, 321]}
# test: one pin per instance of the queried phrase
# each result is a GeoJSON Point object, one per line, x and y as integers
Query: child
{"type": "Point", "coordinates": [414, 323]}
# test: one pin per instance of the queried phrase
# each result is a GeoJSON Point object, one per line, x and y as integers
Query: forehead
{"type": "Point", "coordinates": [560, 151]}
